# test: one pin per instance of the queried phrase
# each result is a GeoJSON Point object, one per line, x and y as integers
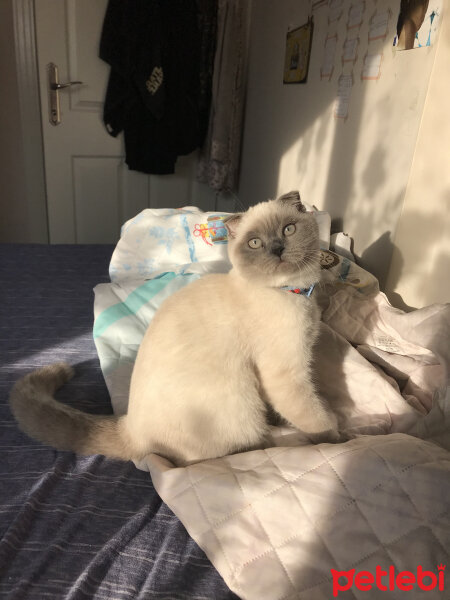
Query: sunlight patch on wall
{"type": "Point", "coordinates": [299, 164]}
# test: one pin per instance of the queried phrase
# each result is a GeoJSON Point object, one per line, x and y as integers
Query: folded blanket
{"type": "Point", "coordinates": [275, 522]}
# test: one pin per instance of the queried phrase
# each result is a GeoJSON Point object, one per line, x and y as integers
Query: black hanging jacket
{"type": "Point", "coordinates": [153, 94]}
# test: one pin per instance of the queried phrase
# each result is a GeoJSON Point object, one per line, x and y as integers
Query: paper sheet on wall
{"type": "Point", "coordinates": [378, 25]}
{"type": "Point", "coordinates": [356, 14]}
{"type": "Point", "coordinates": [335, 9]}
{"type": "Point", "coordinates": [372, 66]}
{"type": "Point", "coordinates": [342, 102]}
{"type": "Point", "coordinates": [327, 68]}
{"type": "Point", "coordinates": [350, 50]}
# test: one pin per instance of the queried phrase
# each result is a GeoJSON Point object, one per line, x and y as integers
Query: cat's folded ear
{"type": "Point", "coordinates": [232, 223]}
{"type": "Point", "coordinates": [292, 198]}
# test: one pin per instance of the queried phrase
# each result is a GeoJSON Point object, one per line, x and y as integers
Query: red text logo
{"type": "Point", "coordinates": [388, 580]}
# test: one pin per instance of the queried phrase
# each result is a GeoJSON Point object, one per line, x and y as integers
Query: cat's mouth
{"type": "Point", "coordinates": [284, 263]}
{"type": "Point", "coordinates": [299, 264]}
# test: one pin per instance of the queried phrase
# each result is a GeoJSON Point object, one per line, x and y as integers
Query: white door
{"type": "Point", "coordinates": [90, 191]}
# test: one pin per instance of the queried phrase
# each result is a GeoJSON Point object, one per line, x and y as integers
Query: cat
{"type": "Point", "coordinates": [219, 355]}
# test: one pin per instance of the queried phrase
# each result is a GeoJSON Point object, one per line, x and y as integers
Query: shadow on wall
{"type": "Point", "coordinates": [375, 172]}
{"type": "Point", "coordinates": [344, 184]}
{"type": "Point", "coordinates": [367, 178]}
{"type": "Point", "coordinates": [370, 257]}
{"type": "Point", "coordinates": [421, 271]}
{"type": "Point", "coordinates": [356, 176]}
{"type": "Point", "coordinates": [278, 116]}
{"type": "Point", "coordinates": [270, 138]}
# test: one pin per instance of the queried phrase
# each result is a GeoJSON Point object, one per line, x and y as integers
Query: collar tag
{"type": "Point", "coordinates": [302, 291]}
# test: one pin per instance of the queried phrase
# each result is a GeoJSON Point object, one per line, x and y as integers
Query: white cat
{"type": "Point", "coordinates": [216, 354]}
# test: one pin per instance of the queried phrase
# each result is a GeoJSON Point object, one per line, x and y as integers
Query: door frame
{"type": "Point", "coordinates": [30, 117]}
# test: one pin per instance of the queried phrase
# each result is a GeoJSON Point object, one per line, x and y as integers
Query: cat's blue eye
{"type": "Point", "coordinates": [255, 243]}
{"type": "Point", "coordinates": [289, 229]}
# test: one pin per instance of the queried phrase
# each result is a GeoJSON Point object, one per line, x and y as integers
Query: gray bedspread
{"type": "Point", "coordinates": [72, 527]}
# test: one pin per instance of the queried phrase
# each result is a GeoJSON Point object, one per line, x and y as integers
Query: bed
{"type": "Point", "coordinates": [283, 522]}
{"type": "Point", "coordinates": [72, 527]}
{"type": "Point", "coordinates": [291, 521]}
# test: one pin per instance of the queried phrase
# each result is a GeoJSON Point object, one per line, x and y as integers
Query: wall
{"type": "Point", "coordinates": [22, 201]}
{"type": "Point", "coordinates": [421, 259]}
{"type": "Point", "coordinates": [356, 169]}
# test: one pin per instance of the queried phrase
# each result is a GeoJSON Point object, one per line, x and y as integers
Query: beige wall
{"type": "Point", "coordinates": [420, 268]}
{"type": "Point", "coordinates": [358, 169]}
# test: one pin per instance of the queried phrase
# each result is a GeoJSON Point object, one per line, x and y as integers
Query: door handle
{"type": "Point", "coordinates": [60, 86]}
{"type": "Point", "coordinates": [53, 93]}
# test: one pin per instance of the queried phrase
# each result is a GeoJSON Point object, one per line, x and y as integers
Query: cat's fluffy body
{"type": "Point", "coordinates": [215, 354]}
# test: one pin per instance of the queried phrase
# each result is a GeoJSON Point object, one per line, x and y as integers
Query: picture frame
{"type": "Point", "coordinates": [298, 52]}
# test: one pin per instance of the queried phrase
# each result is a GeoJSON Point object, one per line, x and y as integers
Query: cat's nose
{"type": "Point", "coordinates": [277, 248]}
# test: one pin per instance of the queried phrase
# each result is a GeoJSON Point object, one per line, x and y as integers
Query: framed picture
{"type": "Point", "coordinates": [298, 50]}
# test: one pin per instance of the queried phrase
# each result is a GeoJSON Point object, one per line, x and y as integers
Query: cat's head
{"type": "Point", "coordinates": [275, 243]}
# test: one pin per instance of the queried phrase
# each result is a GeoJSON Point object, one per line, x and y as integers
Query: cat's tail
{"type": "Point", "coordinates": [43, 418]}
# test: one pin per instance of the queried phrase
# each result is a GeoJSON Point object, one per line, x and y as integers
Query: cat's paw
{"type": "Point", "coordinates": [331, 436]}
{"type": "Point", "coordinates": [325, 427]}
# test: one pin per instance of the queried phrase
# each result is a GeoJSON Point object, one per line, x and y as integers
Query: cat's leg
{"type": "Point", "coordinates": [291, 392]}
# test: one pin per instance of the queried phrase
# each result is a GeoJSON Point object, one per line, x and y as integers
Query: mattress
{"type": "Point", "coordinates": [77, 527]}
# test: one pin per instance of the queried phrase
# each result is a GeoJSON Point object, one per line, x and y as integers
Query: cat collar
{"type": "Point", "coordinates": [303, 291]}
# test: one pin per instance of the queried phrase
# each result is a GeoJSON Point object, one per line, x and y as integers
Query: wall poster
{"type": "Point", "coordinates": [298, 51]}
